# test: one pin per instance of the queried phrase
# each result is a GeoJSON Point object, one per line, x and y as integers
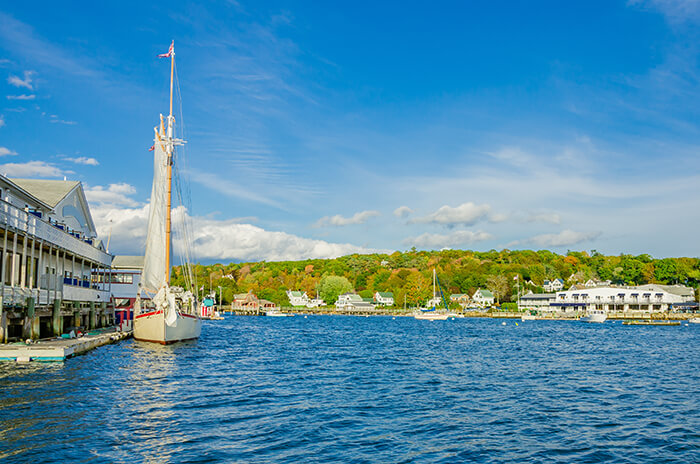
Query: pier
{"type": "Point", "coordinates": [59, 349]}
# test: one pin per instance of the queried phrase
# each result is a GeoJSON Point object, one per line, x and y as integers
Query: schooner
{"type": "Point", "coordinates": [170, 315]}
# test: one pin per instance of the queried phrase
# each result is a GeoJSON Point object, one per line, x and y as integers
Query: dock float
{"type": "Point", "coordinates": [58, 349]}
{"type": "Point", "coordinates": [651, 322]}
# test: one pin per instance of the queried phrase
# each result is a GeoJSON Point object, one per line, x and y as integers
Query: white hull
{"type": "Point", "coordinates": [694, 320]}
{"type": "Point", "coordinates": [594, 317]}
{"type": "Point", "coordinates": [151, 327]}
{"type": "Point", "coordinates": [431, 316]}
{"type": "Point", "coordinates": [276, 313]}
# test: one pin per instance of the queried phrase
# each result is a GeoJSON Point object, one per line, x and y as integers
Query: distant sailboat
{"type": "Point", "coordinates": [171, 315]}
{"type": "Point", "coordinates": [431, 314]}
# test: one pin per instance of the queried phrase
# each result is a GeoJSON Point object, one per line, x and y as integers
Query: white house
{"type": "Point", "coordinates": [315, 303]}
{"type": "Point", "coordinates": [352, 301]}
{"type": "Point", "coordinates": [555, 285]}
{"type": "Point", "coordinates": [590, 283]}
{"type": "Point", "coordinates": [384, 298]}
{"type": "Point", "coordinates": [297, 298]}
{"type": "Point", "coordinates": [483, 298]}
{"type": "Point", "coordinates": [616, 299]}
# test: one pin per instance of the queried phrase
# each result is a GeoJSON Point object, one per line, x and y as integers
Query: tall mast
{"type": "Point", "coordinates": [433, 284]}
{"type": "Point", "coordinates": [169, 148]}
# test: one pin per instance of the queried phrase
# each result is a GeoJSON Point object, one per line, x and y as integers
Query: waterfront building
{"type": "Point", "coordinates": [384, 298]}
{"type": "Point", "coordinates": [297, 298]}
{"type": "Point", "coordinates": [483, 298]}
{"type": "Point", "coordinates": [555, 285]}
{"type": "Point", "coordinates": [245, 302]}
{"type": "Point", "coordinates": [352, 301]}
{"type": "Point", "coordinates": [536, 301]}
{"type": "Point", "coordinates": [591, 283]}
{"type": "Point", "coordinates": [460, 298]}
{"type": "Point", "coordinates": [315, 303]}
{"type": "Point", "coordinates": [52, 266]}
{"type": "Point", "coordinates": [687, 294]}
{"type": "Point", "coordinates": [124, 281]}
{"type": "Point", "coordinates": [641, 298]}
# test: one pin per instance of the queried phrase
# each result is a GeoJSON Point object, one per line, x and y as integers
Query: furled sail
{"type": "Point", "coordinates": [154, 271]}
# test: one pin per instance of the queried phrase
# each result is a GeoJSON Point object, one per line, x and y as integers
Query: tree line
{"type": "Point", "coordinates": [408, 275]}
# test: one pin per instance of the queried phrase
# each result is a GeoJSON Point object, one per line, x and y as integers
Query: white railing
{"type": "Point", "coordinates": [18, 296]}
{"type": "Point", "coordinates": [30, 224]}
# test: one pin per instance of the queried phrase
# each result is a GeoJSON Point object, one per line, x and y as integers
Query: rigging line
{"type": "Point", "coordinates": [184, 197]}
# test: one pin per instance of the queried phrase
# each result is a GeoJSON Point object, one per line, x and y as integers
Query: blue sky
{"type": "Point", "coordinates": [316, 130]}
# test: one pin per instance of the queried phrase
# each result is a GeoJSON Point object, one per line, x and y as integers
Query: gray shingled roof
{"type": "Point", "coordinates": [50, 192]}
{"type": "Point", "coordinates": [127, 262]}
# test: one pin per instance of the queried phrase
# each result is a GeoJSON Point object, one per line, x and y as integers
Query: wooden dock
{"type": "Point", "coordinates": [58, 349]}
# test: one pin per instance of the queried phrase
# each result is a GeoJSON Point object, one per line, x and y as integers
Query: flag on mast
{"type": "Point", "coordinates": [171, 50]}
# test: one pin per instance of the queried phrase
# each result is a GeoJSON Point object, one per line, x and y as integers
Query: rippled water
{"type": "Point", "coordinates": [344, 389]}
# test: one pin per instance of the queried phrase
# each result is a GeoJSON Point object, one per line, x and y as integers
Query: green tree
{"type": "Point", "coordinates": [331, 286]}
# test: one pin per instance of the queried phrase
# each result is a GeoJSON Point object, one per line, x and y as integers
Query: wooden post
{"type": "Point", "coordinates": [56, 319]}
{"type": "Point", "coordinates": [92, 322]}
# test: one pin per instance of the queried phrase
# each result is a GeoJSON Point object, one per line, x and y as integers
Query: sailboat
{"type": "Point", "coordinates": [170, 315]}
{"type": "Point", "coordinates": [430, 314]}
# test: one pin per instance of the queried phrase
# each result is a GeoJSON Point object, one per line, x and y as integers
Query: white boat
{"type": "Point", "coordinates": [171, 313]}
{"type": "Point", "coordinates": [694, 320]}
{"type": "Point", "coordinates": [277, 313]}
{"type": "Point", "coordinates": [431, 314]}
{"type": "Point", "coordinates": [594, 315]}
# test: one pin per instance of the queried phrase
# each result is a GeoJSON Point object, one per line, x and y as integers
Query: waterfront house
{"type": "Point", "coordinates": [297, 298]}
{"type": "Point", "coordinates": [53, 265]}
{"type": "Point", "coordinates": [553, 285]}
{"type": "Point", "coordinates": [353, 302]}
{"type": "Point", "coordinates": [536, 301]}
{"type": "Point", "coordinates": [245, 302]}
{"type": "Point", "coordinates": [315, 303]}
{"type": "Point", "coordinates": [483, 298]}
{"type": "Point", "coordinates": [643, 298]}
{"type": "Point", "coordinates": [384, 298]}
{"type": "Point", "coordinates": [591, 283]}
{"type": "Point", "coordinates": [460, 298]}
{"type": "Point", "coordinates": [124, 280]}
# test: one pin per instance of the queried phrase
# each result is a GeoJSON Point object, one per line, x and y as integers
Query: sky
{"type": "Point", "coordinates": [319, 129]}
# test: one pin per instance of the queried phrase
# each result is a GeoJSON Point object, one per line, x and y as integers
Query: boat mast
{"type": "Point", "coordinates": [169, 152]}
{"type": "Point", "coordinates": [433, 286]}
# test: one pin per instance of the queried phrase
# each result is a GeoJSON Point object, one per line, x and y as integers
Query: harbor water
{"type": "Point", "coordinates": [355, 389]}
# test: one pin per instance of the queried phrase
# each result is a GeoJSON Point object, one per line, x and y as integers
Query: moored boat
{"type": "Point", "coordinates": [170, 314]}
{"type": "Point", "coordinates": [594, 315]}
{"type": "Point", "coordinates": [432, 314]}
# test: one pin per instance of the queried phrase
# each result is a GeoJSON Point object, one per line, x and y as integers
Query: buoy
{"type": "Point", "coordinates": [304, 317]}
{"type": "Point", "coordinates": [516, 324]}
{"type": "Point", "coordinates": [503, 323]}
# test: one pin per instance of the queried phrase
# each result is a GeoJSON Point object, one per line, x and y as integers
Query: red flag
{"type": "Point", "coordinates": [171, 50]}
{"type": "Point", "coordinates": [153, 147]}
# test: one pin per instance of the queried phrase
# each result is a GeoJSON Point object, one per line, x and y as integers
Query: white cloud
{"type": "Point", "coordinates": [56, 120]}
{"type": "Point", "coordinates": [566, 237]}
{"type": "Point", "coordinates": [30, 169]}
{"type": "Point", "coordinates": [2, 120]}
{"type": "Point", "coordinates": [84, 160]}
{"type": "Point", "coordinates": [213, 239]}
{"type": "Point", "coordinates": [21, 97]}
{"type": "Point", "coordinates": [402, 211]}
{"type": "Point", "coordinates": [456, 238]}
{"type": "Point", "coordinates": [465, 214]}
{"type": "Point", "coordinates": [230, 240]}
{"type": "Point", "coordinates": [340, 221]}
{"type": "Point", "coordinates": [7, 152]}
{"type": "Point", "coordinates": [114, 194]}
{"type": "Point", "coordinates": [551, 218]}
{"type": "Point", "coordinates": [675, 10]}
{"type": "Point", "coordinates": [19, 82]}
